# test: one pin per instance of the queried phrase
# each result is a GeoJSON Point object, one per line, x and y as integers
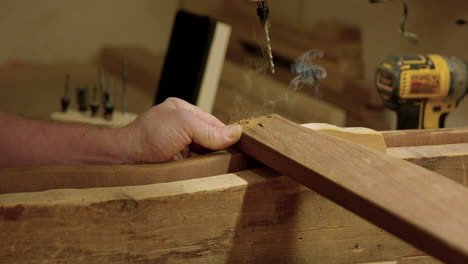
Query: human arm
{"type": "Point", "coordinates": [156, 136]}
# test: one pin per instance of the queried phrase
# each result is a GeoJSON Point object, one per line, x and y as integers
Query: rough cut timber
{"type": "Point", "coordinates": [247, 217]}
{"type": "Point", "coordinates": [419, 206]}
{"type": "Point", "coordinates": [416, 137]}
{"type": "Point", "coordinates": [34, 179]}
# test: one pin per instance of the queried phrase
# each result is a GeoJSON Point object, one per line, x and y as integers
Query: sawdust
{"type": "Point", "coordinates": [254, 122]}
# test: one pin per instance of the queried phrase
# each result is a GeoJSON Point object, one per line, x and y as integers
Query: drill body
{"type": "Point", "coordinates": [422, 89]}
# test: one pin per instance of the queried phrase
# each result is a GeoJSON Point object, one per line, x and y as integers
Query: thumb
{"type": "Point", "coordinates": [214, 137]}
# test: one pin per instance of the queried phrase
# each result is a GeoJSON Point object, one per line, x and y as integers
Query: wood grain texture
{"type": "Point", "coordinates": [34, 179]}
{"type": "Point", "coordinates": [441, 136]}
{"type": "Point", "coordinates": [252, 216]}
{"type": "Point", "coordinates": [359, 135]}
{"type": "Point", "coordinates": [247, 217]}
{"type": "Point", "coordinates": [411, 202]}
{"type": "Point", "coordinates": [449, 160]}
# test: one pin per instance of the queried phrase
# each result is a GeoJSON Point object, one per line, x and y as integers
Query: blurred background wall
{"type": "Point", "coordinates": [55, 31]}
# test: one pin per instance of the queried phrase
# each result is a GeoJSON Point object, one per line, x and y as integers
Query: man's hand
{"type": "Point", "coordinates": [169, 128]}
{"type": "Point", "coordinates": [157, 135]}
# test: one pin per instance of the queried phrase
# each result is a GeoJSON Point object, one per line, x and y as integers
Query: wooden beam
{"type": "Point", "coordinates": [34, 179]}
{"type": "Point", "coordinates": [448, 160]}
{"type": "Point", "coordinates": [247, 217]}
{"type": "Point", "coordinates": [415, 137]}
{"type": "Point", "coordinates": [251, 216]}
{"type": "Point", "coordinates": [221, 162]}
{"type": "Point", "coordinates": [417, 205]}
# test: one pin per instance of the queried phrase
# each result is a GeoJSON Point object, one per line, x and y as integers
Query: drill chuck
{"type": "Point", "coordinates": [263, 12]}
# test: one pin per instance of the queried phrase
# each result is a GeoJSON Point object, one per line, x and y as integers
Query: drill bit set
{"type": "Point", "coordinates": [89, 105]}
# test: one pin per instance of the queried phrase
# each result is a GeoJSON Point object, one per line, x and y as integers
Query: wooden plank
{"type": "Point", "coordinates": [359, 135]}
{"type": "Point", "coordinates": [247, 217]}
{"type": "Point", "coordinates": [221, 162]}
{"type": "Point", "coordinates": [415, 137]}
{"type": "Point", "coordinates": [411, 260]}
{"type": "Point", "coordinates": [252, 216]}
{"type": "Point", "coordinates": [33, 179]}
{"type": "Point", "coordinates": [411, 202]}
{"type": "Point", "coordinates": [448, 160]}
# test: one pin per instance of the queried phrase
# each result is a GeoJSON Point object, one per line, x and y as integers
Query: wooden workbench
{"type": "Point", "coordinates": [209, 209]}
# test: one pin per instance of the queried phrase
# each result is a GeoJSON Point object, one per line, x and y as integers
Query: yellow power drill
{"type": "Point", "coordinates": [422, 89]}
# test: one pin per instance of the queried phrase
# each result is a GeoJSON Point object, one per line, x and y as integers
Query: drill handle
{"type": "Point", "coordinates": [408, 116]}
{"type": "Point", "coordinates": [423, 115]}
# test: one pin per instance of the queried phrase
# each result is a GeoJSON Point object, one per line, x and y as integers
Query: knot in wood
{"type": "Point", "coordinates": [130, 204]}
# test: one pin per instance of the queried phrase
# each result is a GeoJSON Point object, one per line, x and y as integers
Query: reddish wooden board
{"type": "Point", "coordinates": [419, 206]}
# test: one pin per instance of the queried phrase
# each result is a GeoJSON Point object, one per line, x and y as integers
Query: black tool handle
{"type": "Point", "coordinates": [408, 116]}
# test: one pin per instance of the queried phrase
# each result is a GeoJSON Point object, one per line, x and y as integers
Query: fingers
{"type": "Point", "coordinates": [211, 136]}
{"type": "Point", "coordinates": [177, 103]}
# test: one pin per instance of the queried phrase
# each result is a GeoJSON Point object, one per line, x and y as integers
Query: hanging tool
{"type": "Point", "coordinates": [108, 101]}
{"type": "Point", "coordinates": [263, 13]}
{"type": "Point", "coordinates": [82, 98]}
{"type": "Point", "coordinates": [422, 89]}
{"type": "Point", "coordinates": [65, 102]}
{"type": "Point", "coordinates": [409, 36]}
{"type": "Point", "coordinates": [94, 103]}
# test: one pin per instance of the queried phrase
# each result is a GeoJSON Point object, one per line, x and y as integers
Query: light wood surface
{"type": "Point", "coordinates": [34, 179]}
{"type": "Point", "coordinates": [359, 135]}
{"type": "Point", "coordinates": [251, 216]}
{"type": "Point", "coordinates": [415, 137]}
{"type": "Point", "coordinates": [415, 204]}
{"type": "Point", "coordinates": [247, 217]}
{"type": "Point", "coordinates": [118, 119]}
{"type": "Point", "coordinates": [448, 160]}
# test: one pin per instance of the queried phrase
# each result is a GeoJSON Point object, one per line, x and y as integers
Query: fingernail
{"type": "Point", "coordinates": [232, 131]}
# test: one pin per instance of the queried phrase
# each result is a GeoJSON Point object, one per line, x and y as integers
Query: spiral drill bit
{"type": "Point", "coordinates": [263, 13]}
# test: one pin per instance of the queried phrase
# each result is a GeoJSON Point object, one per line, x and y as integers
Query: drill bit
{"type": "Point", "coordinates": [263, 13]}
